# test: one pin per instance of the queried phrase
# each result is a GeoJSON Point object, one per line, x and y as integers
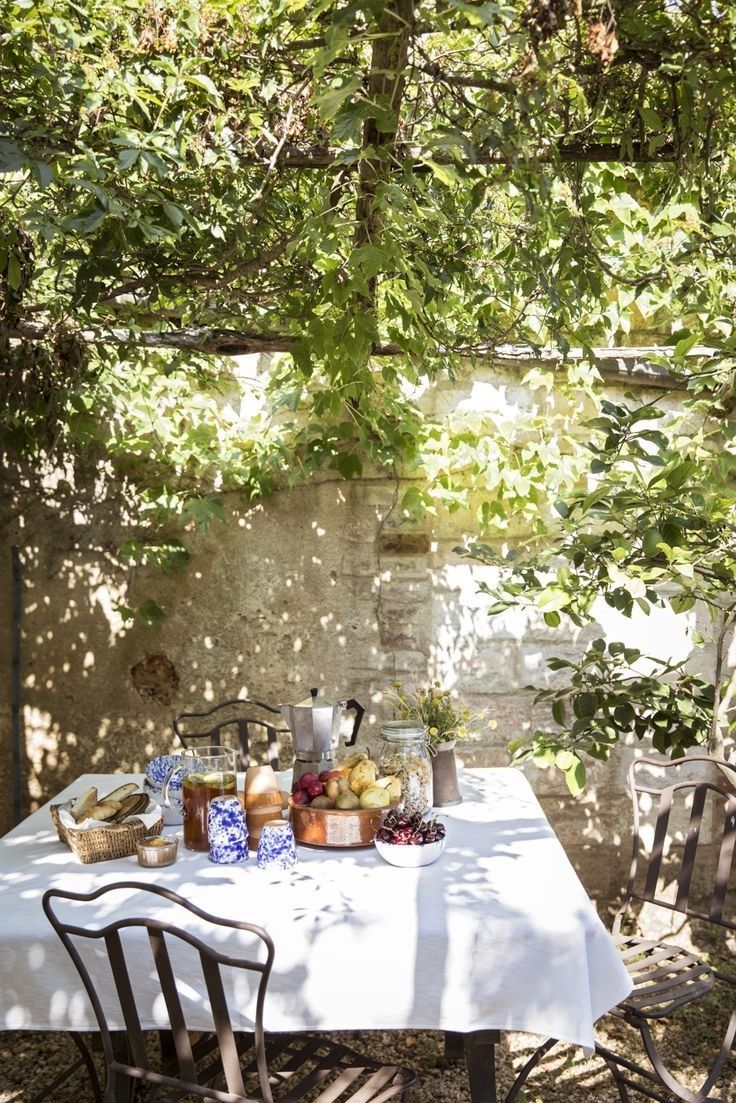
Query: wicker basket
{"type": "Point", "coordinates": [102, 844]}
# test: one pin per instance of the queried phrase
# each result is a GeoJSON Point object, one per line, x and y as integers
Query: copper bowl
{"type": "Point", "coordinates": [335, 826]}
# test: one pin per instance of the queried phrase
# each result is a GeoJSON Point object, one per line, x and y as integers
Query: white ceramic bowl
{"type": "Point", "coordinates": [409, 857]}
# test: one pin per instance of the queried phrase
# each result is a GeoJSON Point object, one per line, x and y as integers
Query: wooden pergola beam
{"type": "Point", "coordinates": [320, 157]}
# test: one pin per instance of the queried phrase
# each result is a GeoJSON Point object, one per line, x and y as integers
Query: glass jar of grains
{"type": "Point", "coordinates": [405, 756]}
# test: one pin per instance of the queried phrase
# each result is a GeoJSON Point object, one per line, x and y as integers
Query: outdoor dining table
{"type": "Point", "coordinates": [498, 935]}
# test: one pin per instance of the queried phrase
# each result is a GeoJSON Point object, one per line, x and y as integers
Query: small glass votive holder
{"type": "Point", "coordinates": [161, 850]}
{"type": "Point", "coordinates": [276, 846]}
{"type": "Point", "coordinates": [227, 831]}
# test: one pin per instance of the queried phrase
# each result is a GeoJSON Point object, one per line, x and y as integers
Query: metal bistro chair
{"type": "Point", "coordinates": [667, 977]}
{"type": "Point", "coordinates": [240, 713]}
{"type": "Point", "coordinates": [223, 1065]}
{"type": "Point", "coordinates": [690, 805]}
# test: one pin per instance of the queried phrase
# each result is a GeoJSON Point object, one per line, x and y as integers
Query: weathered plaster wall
{"type": "Point", "coordinates": [323, 585]}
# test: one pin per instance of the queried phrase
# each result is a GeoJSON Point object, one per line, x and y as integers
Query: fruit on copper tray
{"type": "Point", "coordinates": [321, 802]}
{"type": "Point", "coordinates": [353, 786]}
{"type": "Point", "coordinates": [347, 802]}
{"type": "Point", "coordinates": [351, 761]}
{"type": "Point", "coordinates": [374, 797]}
{"type": "Point", "coordinates": [363, 776]}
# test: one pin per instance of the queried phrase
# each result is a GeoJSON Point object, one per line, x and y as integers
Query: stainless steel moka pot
{"type": "Point", "coordinates": [315, 728]}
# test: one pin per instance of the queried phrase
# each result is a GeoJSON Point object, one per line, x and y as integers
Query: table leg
{"type": "Point", "coordinates": [454, 1047]}
{"type": "Point", "coordinates": [480, 1059]}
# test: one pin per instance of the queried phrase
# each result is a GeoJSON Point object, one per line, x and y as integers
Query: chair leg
{"type": "Point", "coordinates": [89, 1064]}
{"type": "Point", "coordinates": [618, 1080]}
{"type": "Point", "coordinates": [84, 1059]}
{"type": "Point", "coordinates": [664, 1074]}
{"type": "Point", "coordinates": [528, 1068]}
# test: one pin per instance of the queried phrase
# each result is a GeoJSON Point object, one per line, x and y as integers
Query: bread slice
{"type": "Point", "coordinates": [122, 791]}
{"type": "Point", "coordinates": [82, 804]}
{"type": "Point", "coordinates": [131, 805]}
{"type": "Point", "coordinates": [105, 810]}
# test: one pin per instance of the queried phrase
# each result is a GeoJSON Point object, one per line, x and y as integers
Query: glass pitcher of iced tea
{"type": "Point", "coordinates": [206, 772]}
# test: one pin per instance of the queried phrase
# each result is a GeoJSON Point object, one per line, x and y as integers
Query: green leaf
{"type": "Point", "coordinates": [127, 158]}
{"type": "Point", "coordinates": [565, 760]}
{"type": "Point", "coordinates": [201, 80]}
{"type": "Point", "coordinates": [587, 704]}
{"type": "Point", "coordinates": [576, 778]}
{"type": "Point", "coordinates": [43, 172]}
{"type": "Point", "coordinates": [652, 538]}
{"type": "Point", "coordinates": [559, 712]}
{"type": "Point", "coordinates": [15, 276]}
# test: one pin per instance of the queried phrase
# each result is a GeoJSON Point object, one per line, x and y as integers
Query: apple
{"type": "Point", "coordinates": [308, 779]}
{"type": "Point", "coordinates": [300, 797]}
{"type": "Point", "coordinates": [316, 789]}
{"type": "Point", "coordinates": [327, 774]}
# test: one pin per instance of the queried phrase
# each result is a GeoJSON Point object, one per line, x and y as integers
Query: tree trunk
{"type": "Point", "coordinates": [386, 84]}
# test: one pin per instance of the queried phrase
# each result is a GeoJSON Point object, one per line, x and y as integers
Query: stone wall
{"type": "Point", "coordinates": [324, 585]}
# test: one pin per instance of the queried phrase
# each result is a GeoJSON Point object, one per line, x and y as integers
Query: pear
{"type": "Point", "coordinates": [332, 787]}
{"type": "Point", "coordinates": [374, 797]}
{"type": "Point", "coordinates": [321, 802]}
{"type": "Point", "coordinates": [348, 802]}
{"type": "Point", "coordinates": [362, 776]}
{"type": "Point", "coordinates": [392, 782]}
{"type": "Point", "coordinates": [351, 761]}
{"type": "Point", "coordinates": [394, 790]}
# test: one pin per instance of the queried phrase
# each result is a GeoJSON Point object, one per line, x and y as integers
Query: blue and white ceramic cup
{"type": "Point", "coordinates": [227, 831]}
{"type": "Point", "coordinates": [276, 846]}
{"type": "Point", "coordinates": [157, 771]}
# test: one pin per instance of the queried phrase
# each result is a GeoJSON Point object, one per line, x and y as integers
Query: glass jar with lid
{"type": "Point", "coordinates": [405, 756]}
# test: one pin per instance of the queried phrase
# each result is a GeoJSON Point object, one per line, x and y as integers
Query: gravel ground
{"type": "Point", "coordinates": [28, 1062]}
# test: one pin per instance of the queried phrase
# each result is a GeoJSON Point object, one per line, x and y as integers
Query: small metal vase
{"type": "Point", "coordinates": [444, 776]}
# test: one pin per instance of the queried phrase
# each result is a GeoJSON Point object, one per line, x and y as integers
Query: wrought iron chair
{"type": "Point", "coordinates": [669, 871]}
{"type": "Point", "coordinates": [242, 715]}
{"type": "Point", "coordinates": [674, 878]}
{"type": "Point", "coordinates": [221, 1065]}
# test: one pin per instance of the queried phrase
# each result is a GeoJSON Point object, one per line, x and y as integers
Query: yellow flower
{"type": "Point", "coordinates": [433, 731]}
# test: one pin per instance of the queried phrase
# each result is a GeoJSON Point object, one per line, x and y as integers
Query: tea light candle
{"type": "Point", "coordinates": [159, 851]}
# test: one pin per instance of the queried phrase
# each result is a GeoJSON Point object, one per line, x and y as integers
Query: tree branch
{"type": "Point", "coordinates": [319, 157]}
{"type": "Point", "coordinates": [432, 69]}
{"type": "Point", "coordinates": [199, 277]}
{"type": "Point", "coordinates": [630, 365]}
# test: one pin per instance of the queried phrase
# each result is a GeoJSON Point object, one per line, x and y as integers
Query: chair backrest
{"type": "Point", "coordinates": [121, 955]}
{"type": "Point", "coordinates": [240, 717]}
{"type": "Point", "coordinates": [684, 837]}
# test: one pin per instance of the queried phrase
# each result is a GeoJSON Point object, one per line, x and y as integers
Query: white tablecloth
{"type": "Point", "coordinates": [498, 934]}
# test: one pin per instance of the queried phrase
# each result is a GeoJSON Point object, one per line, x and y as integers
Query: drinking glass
{"type": "Point", "coordinates": [206, 772]}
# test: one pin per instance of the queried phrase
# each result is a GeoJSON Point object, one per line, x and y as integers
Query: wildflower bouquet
{"type": "Point", "coordinates": [445, 720]}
